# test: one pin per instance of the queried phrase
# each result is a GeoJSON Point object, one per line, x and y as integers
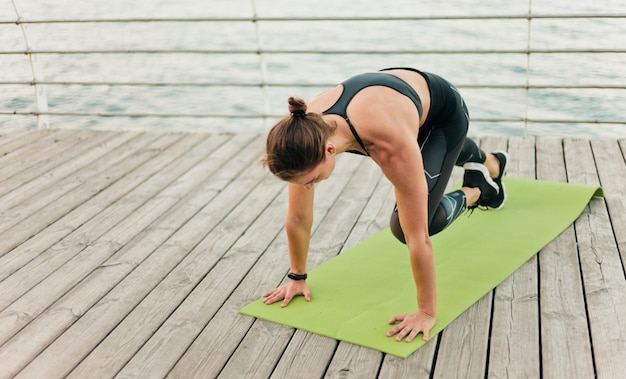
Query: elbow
{"type": "Point", "coordinates": [298, 222]}
{"type": "Point", "coordinates": [421, 236]}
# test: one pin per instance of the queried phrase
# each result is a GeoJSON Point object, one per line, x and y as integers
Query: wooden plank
{"type": "Point", "coordinates": [616, 205]}
{"type": "Point", "coordinates": [417, 365]}
{"type": "Point", "coordinates": [72, 223]}
{"type": "Point", "coordinates": [565, 340]}
{"type": "Point", "coordinates": [45, 263]}
{"type": "Point", "coordinates": [353, 361]}
{"type": "Point", "coordinates": [31, 155]}
{"type": "Point", "coordinates": [514, 350]}
{"type": "Point", "coordinates": [40, 209]}
{"type": "Point", "coordinates": [611, 165]}
{"type": "Point", "coordinates": [14, 142]}
{"type": "Point", "coordinates": [38, 334]}
{"type": "Point", "coordinates": [164, 349]}
{"type": "Point", "coordinates": [44, 188]}
{"type": "Point", "coordinates": [603, 274]}
{"type": "Point", "coordinates": [8, 134]}
{"type": "Point", "coordinates": [227, 327]}
{"type": "Point", "coordinates": [31, 168]}
{"type": "Point", "coordinates": [14, 253]}
{"type": "Point", "coordinates": [54, 321]}
{"type": "Point", "coordinates": [468, 338]}
{"type": "Point", "coordinates": [157, 262]}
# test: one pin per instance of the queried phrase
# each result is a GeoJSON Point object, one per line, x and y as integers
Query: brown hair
{"type": "Point", "coordinates": [297, 142]}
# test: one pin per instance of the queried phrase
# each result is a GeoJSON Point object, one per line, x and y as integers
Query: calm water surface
{"type": "Point", "coordinates": [84, 78]}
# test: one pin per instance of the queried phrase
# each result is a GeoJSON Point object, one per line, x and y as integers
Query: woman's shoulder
{"type": "Point", "coordinates": [324, 100]}
{"type": "Point", "coordinates": [383, 111]}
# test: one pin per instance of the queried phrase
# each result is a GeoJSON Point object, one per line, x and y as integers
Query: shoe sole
{"type": "Point", "coordinates": [483, 169]}
{"type": "Point", "coordinates": [503, 199]}
{"type": "Point", "coordinates": [506, 162]}
{"type": "Point", "coordinates": [502, 174]}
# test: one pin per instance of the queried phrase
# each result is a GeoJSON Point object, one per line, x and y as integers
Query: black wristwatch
{"type": "Point", "coordinates": [293, 276]}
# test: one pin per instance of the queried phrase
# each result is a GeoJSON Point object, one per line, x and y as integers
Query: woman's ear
{"type": "Point", "coordinates": [330, 148]}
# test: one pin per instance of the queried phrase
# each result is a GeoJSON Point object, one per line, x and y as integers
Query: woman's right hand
{"type": "Point", "coordinates": [288, 291]}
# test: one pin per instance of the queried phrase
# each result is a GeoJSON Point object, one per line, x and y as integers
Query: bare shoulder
{"type": "Point", "coordinates": [324, 100]}
{"type": "Point", "coordinates": [384, 118]}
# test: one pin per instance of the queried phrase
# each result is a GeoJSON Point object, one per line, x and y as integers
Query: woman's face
{"type": "Point", "coordinates": [320, 172]}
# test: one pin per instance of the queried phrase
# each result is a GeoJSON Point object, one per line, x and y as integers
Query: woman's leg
{"type": "Point", "coordinates": [441, 213]}
{"type": "Point", "coordinates": [443, 146]}
{"type": "Point", "coordinates": [470, 153]}
{"type": "Point", "coordinates": [439, 158]}
{"type": "Point", "coordinates": [496, 164]}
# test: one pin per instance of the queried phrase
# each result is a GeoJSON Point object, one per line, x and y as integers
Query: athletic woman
{"type": "Point", "coordinates": [414, 126]}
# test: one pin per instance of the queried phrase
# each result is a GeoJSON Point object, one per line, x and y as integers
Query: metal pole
{"type": "Point", "coordinates": [40, 90]}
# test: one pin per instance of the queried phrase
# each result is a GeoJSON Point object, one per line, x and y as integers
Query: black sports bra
{"type": "Point", "coordinates": [353, 85]}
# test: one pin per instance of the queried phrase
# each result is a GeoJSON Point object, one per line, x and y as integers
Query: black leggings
{"type": "Point", "coordinates": [444, 144]}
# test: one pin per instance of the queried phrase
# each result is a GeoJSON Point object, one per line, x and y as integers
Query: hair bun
{"type": "Point", "coordinates": [297, 107]}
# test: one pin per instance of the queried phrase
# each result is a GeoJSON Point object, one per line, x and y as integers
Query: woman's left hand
{"type": "Point", "coordinates": [411, 325]}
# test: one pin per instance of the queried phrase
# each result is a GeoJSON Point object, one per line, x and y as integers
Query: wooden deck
{"type": "Point", "coordinates": [129, 255]}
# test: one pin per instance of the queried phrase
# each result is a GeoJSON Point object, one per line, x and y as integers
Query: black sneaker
{"type": "Point", "coordinates": [498, 201]}
{"type": "Point", "coordinates": [477, 176]}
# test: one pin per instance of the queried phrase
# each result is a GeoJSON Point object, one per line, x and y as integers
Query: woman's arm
{"type": "Point", "coordinates": [397, 153]}
{"type": "Point", "coordinates": [298, 223]}
{"type": "Point", "coordinates": [404, 168]}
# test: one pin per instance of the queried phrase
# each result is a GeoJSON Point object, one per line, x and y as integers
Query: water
{"type": "Point", "coordinates": [191, 69]}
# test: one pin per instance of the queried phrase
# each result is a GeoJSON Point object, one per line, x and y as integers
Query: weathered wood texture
{"type": "Point", "coordinates": [129, 255]}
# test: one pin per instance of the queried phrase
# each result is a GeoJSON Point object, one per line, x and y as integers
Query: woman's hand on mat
{"type": "Point", "coordinates": [288, 291]}
{"type": "Point", "coordinates": [411, 325]}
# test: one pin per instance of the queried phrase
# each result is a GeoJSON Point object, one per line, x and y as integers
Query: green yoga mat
{"type": "Point", "coordinates": [356, 293]}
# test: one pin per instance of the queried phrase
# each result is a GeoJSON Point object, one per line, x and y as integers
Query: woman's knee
{"type": "Point", "coordinates": [394, 224]}
{"type": "Point", "coordinates": [438, 223]}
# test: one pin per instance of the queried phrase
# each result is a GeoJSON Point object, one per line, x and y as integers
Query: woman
{"type": "Point", "coordinates": [413, 125]}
